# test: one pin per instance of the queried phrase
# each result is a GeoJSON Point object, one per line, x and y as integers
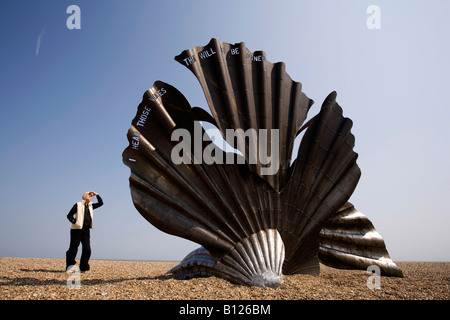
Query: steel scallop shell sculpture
{"type": "Point", "coordinates": [253, 223]}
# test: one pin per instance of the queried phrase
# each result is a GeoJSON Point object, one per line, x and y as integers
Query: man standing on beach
{"type": "Point", "coordinates": [80, 230]}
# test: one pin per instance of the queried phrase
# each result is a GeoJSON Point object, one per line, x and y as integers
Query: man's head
{"type": "Point", "coordinates": [87, 196]}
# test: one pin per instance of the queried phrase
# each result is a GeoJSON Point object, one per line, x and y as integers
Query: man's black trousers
{"type": "Point", "coordinates": [77, 236]}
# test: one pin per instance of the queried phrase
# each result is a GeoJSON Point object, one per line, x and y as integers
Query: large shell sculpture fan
{"type": "Point", "coordinates": [256, 213]}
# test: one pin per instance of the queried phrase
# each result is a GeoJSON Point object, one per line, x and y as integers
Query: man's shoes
{"type": "Point", "coordinates": [72, 268]}
{"type": "Point", "coordinates": [84, 269]}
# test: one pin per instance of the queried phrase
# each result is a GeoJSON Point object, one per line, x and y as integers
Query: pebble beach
{"type": "Point", "coordinates": [46, 279]}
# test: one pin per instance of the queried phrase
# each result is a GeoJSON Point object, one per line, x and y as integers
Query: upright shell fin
{"type": "Point", "coordinates": [324, 176]}
{"type": "Point", "coordinates": [246, 91]}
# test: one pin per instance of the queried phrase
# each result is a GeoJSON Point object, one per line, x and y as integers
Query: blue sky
{"type": "Point", "coordinates": [68, 98]}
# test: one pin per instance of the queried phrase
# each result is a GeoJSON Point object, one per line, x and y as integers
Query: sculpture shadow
{"type": "Point", "coordinates": [30, 281]}
{"type": "Point", "coordinates": [41, 270]}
